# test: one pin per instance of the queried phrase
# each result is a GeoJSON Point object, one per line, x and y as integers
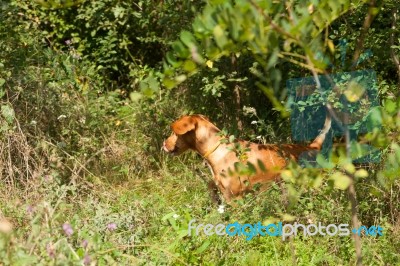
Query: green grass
{"type": "Point", "coordinates": [147, 233]}
{"type": "Point", "coordinates": [99, 172]}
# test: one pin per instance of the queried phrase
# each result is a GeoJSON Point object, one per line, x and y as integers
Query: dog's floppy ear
{"type": "Point", "coordinates": [184, 125]}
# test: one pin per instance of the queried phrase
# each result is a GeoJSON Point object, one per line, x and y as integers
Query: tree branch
{"type": "Point", "coordinates": [395, 57]}
{"type": "Point", "coordinates": [351, 189]}
{"type": "Point", "coordinates": [367, 23]}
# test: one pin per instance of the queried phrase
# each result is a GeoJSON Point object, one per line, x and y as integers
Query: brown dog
{"type": "Point", "coordinates": [232, 175]}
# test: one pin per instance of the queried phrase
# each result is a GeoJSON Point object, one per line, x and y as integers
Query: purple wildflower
{"type": "Point", "coordinates": [50, 250]}
{"type": "Point", "coordinates": [48, 178]}
{"type": "Point", "coordinates": [85, 243]}
{"type": "Point", "coordinates": [68, 229]}
{"type": "Point", "coordinates": [111, 226]}
{"type": "Point", "coordinates": [86, 259]}
{"type": "Point", "coordinates": [29, 209]}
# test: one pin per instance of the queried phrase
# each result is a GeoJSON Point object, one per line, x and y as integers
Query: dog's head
{"type": "Point", "coordinates": [183, 135]}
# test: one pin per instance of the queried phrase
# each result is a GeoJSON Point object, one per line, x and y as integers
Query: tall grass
{"type": "Point", "coordinates": [83, 179]}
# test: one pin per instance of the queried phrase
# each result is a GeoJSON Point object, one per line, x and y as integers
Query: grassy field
{"type": "Point", "coordinates": [83, 180]}
{"type": "Point", "coordinates": [134, 221]}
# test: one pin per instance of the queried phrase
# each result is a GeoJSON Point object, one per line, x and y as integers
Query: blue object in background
{"type": "Point", "coordinates": [308, 112]}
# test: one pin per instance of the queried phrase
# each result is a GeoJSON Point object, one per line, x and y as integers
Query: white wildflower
{"type": "Point", "coordinates": [249, 110]}
{"type": "Point", "coordinates": [221, 209]}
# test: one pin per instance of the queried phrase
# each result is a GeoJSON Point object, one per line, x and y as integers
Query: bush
{"type": "Point", "coordinates": [118, 37]}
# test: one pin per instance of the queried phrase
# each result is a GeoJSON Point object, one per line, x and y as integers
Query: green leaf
{"type": "Point", "coordinates": [390, 106]}
{"type": "Point", "coordinates": [147, 91]}
{"type": "Point", "coordinates": [182, 233]}
{"type": "Point", "coordinates": [171, 59]}
{"type": "Point", "coordinates": [287, 217]}
{"type": "Point", "coordinates": [2, 81]}
{"type": "Point", "coordinates": [334, 5]}
{"type": "Point", "coordinates": [234, 27]}
{"type": "Point", "coordinates": [349, 167]}
{"type": "Point", "coordinates": [317, 182]}
{"type": "Point", "coordinates": [324, 163]}
{"type": "Point", "coordinates": [252, 168]}
{"type": "Point", "coordinates": [169, 83]}
{"type": "Point", "coordinates": [273, 59]}
{"type": "Point", "coordinates": [203, 247]}
{"type": "Point", "coordinates": [361, 173]}
{"type": "Point", "coordinates": [58, 4]}
{"type": "Point", "coordinates": [288, 176]}
{"type": "Point", "coordinates": [135, 96]}
{"type": "Point", "coordinates": [198, 26]}
{"type": "Point", "coordinates": [8, 113]}
{"type": "Point", "coordinates": [220, 37]}
{"type": "Point", "coordinates": [180, 49]}
{"type": "Point", "coordinates": [188, 39]}
{"type": "Point", "coordinates": [354, 91]}
{"type": "Point", "coordinates": [359, 150]}
{"type": "Point", "coordinates": [189, 66]}
{"type": "Point", "coordinates": [341, 181]}
{"type": "Point", "coordinates": [261, 166]}
{"type": "Point", "coordinates": [119, 12]}
{"type": "Point", "coordinates": [153, 83]}
{"type": "Point", "coordinates": [374, 118]}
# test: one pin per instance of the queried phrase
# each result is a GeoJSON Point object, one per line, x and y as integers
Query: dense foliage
{"type": "Point", "coordinates": [88, 90]}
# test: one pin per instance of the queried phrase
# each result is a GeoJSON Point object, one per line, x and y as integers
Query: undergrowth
{"type": "Point", "coordinates": [83, 179]}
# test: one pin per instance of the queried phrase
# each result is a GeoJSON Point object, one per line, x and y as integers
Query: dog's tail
{"type": "Point", "coordinates": [319, 140]}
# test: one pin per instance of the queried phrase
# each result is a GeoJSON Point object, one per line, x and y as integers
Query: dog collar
{"type": "Point", "coordinates": [208, 153]}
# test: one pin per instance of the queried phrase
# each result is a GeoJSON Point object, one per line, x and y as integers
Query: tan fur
{"type": "Point", "coordinates": [196, 132]}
